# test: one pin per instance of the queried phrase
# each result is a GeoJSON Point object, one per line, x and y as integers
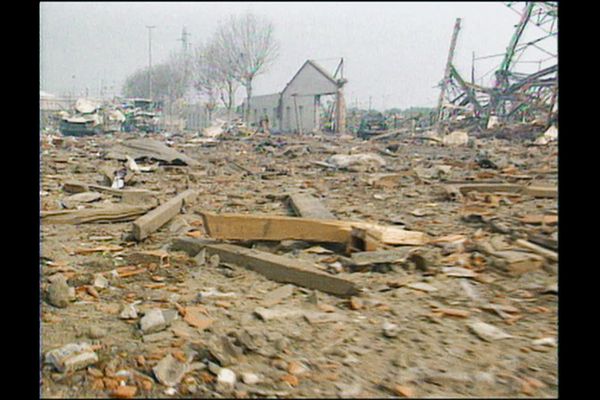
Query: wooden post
{"type": "Point", "coordinates": [340, 111]}
{"type": "Point", "coordinates": [447, 70]}
{"type": "Point", "coordinates": [296, 112]}
{"type": "Point", "coordinates": [316, 111]}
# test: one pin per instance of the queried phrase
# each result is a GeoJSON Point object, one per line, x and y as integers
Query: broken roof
{"type": "Point", "coordinates": [316, 66]}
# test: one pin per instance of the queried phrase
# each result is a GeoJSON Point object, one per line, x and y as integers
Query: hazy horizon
{"type": "Point", "coordinates": [394, 53]}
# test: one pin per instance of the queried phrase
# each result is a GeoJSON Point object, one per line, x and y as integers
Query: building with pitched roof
{"type": "Point", "coordinates": [296, 107]}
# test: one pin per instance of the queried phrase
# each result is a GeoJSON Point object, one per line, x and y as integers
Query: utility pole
{"type": "Point", "coordinates": [473, 69]}
{"type": "Point", "coordinates": [150, 27]}
{"type": "Point", "coordinates": [185, 47]}
{"type": "Point", "coordinates": [448, 69]}
{"type": "Point", "coordinates": [183, 40]}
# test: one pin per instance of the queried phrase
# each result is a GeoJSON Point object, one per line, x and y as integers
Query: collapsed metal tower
{"type": "Point", "coordinates": [514, 96]}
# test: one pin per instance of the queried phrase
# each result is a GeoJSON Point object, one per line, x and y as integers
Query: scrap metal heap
{"type": "Point", "coordinates": [514, 97]}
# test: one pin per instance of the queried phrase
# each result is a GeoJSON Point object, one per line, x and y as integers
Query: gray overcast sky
{"type": "Point", "coordinates": [394, 52]}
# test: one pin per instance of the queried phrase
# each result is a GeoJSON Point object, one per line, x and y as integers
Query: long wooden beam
{"type": "Point", "coordinates": [284, 269]}
{"type": "Point", "coordinates": [273, 227]}
{"type": "Point", "coordinates": [533, 190]}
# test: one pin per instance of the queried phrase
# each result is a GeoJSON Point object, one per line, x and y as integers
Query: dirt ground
{"type": "Point", "coordinates": [392, 340]}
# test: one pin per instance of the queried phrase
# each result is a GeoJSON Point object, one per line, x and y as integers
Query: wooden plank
{"type": "Point", "coordinates": [307, 206]}
{"type": "Point", "coordinates": [114, 213]}
{"type": "Point", "coordinates": [539, 219]}
{"type": "Point", "coordinates": [79, 187]}
{"type": "Point", "coordinates": [533, 190]}
{"type": "Point", "coordinates": [152, 221]}
{"type": "Point", "coordinates": [543, 241]}
{"type": "Point", "coordinates": [266, 227]}
{"type": "Point", "coordinates": [379, 257]}
{"type": "Point", "coordinates": [277, 228]}
{"type": "Point", "coordinates": [541, 191]}
{"type": "Point", "coordinates": [511, 261]}
{"type": "Point", "coordinates": [516, 262]}
{"type": "Point", "coordinates": [362, 240]}
{"type": "Point", "coordinates": [396, 236]}
{"type": "Point", "coordinates": [392, 180]}
{"type": "Point", "coordinates": [284, 269]}
{"type": "Point", "coordinates": [489, 187]}
{"type": "Point", "coordinates": [549, 254]}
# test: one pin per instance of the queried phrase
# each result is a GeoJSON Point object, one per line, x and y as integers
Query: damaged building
{"type": "Point", "coordinates": [297, 108]}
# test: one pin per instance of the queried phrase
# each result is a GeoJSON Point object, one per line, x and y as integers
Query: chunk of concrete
{"type": "Point", "coordinates": [169, 371]}
{"type": "Point", "coordinates": [153, 321]}
{"type": "Point", "coordinates": [71, 357]}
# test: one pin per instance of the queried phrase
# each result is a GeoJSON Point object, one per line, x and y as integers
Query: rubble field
{"type": "Point", "coordinates": [140, 298]}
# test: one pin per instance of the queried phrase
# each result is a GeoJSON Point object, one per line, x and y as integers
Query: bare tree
{"type": "Point", "coordinates": [179, 77]}
{"type": "Point", "coordinates": [206, 76]}
{"type": "Point", "coordinates": [247, 43]}
{"type": "Point", "coordinates": [215, 75]}
{"type": "Point", "coordinates": [170, 80]}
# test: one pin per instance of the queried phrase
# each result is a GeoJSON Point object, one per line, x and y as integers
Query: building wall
{"type": "Point", "coordinates": [306, 113]}
{"type": "Point", "coordinates": [308, 82]}
{"type": "Point", "coordinates": [261, 105]}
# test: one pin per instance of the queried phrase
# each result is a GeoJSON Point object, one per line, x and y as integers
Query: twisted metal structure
{"type": "Point", "coordinates": [514, 96]}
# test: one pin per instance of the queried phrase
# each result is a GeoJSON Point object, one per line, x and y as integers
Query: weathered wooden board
{"type": "Point", "coordinates": [145, 225]}
{"type": "Point", "coordinates": [128, 195]}
{"type": "Point", "coordinates": [549, 254]}
{"type": "Point", "coordinates": [308, 206]}
{"type": "Point", "coordinates": [284, 269]}
{"type": "Point", "coordinates": [271, 227]}
{"type": "Point", "coordinates": [489, 187]}
{"type": "Point", "coordinates": [267, 227]}
{"type": "Point", "coordinates": [114, 213]}
{"type": "Point", "coordinates": [541, 191]}
{"type": "Point", "coordinates": [533, 190]}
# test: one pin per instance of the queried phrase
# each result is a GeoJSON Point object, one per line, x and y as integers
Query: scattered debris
{"type": "Point", "coordinates": [226, 377]}
{"type": "Point", "coordinates": [367, 161]}
{"type": "Point", "coordinates": [456, 138]}
{"type": "Point", "coordinates": [128, 312]}
{"type": "Point", "coordinates": [72, 357]}
{"type": "Point", "coordinates": [170, 370]}
{"type": "Point", "coordinates": [147, 149]}
{"type": "Point", "coordinates": [390, 330]}
{"type": "Point", "coordinates": [487, 332]}
{"type": "Point", "coordinates": [302, 278]}
{"type": "Point", "coordinates": [59, 292]}
{"type": "Point", "coordinates": [156, 320]}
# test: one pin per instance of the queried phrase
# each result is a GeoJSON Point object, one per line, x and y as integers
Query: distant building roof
{"type": "Point", "coordinates": [312, 63]}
